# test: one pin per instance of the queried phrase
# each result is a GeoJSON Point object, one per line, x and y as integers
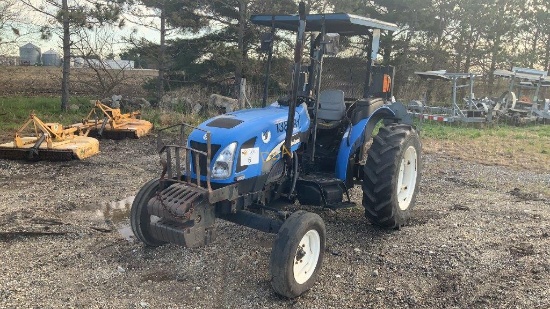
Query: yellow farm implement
{"type": "Point", "coordinates": [49, 141]}
{"type": "Point", "coordinates": [104, 121]}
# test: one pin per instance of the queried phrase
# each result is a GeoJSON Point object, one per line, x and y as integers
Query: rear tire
{"type": "Point", "coordinates": [392, 175]}
{"type": "Point", "coordinates": [140, 219]}
{"type": "Point", "coordinates": [297, 254]}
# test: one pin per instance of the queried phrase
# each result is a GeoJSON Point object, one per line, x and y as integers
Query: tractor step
{"type": "Point", "coordinates": [320, 190]}
{"type": "Point", "coordinates": [342, 205]}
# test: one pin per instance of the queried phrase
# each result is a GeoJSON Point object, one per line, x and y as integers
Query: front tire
{"type": "Point", "coordinates": [140, 219]}
{"type": "Point", "coordinates": [392, 175]}
{"type": "Point", "coordinates": [297, 254]}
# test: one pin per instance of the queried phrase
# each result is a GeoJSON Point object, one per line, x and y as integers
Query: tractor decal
{"type": "Point", "coordinates": [281, 126]}
{"type": "Point", "coordinates": [275, 153]}
{"type": "Point", "coordinates": [250, 156]}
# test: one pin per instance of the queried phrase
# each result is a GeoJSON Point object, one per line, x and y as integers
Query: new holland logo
{"type": "Point", "coordinates": [266, 136]}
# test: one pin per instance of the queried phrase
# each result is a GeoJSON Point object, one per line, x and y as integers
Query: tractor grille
{"type": "Point", "coordinates": [202, 159]}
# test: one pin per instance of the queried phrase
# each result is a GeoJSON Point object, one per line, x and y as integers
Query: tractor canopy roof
{"type": "Point", "coordinates": [341, 23]}
{"type": "Point", "coordinates": [526, 74]}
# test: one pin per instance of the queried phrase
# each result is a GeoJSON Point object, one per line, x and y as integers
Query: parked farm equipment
{"type": "Point", "coordinates": [312, 147]}
{"type": "Point", "coordinates": [515, 104]}
{"type": "Point", "coordinates": [48, 141]}
{"type": "Point", "coordinates": [106, 122]}
{"type": "Point", "coordinates": [471, 110]}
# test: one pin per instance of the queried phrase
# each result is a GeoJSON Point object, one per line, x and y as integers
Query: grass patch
{"type": "Point", "coordinates": [167, 118]}
{"type": "Point", "coordinates": [450, 131]}
{"type": "Point", "coordinates": [523, 147]}
{"type": "Point", "coordinates": [14, 111]}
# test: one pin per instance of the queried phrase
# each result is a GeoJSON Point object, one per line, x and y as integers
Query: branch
{"type": "Point", "coordinates": [29, 4]}
{"type": "Point", "coordinates": [216, 18]}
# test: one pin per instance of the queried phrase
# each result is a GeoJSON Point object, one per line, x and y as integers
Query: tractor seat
{"type": "Point", "coordinates": [331, 105]}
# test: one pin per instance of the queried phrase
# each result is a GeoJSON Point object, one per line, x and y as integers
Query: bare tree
{"type": "Point", "coordinates": [67, 19]}
{"type": "Point", "coordinates": [95, 47]}
{"type": "Point", "coordinates": [9, 32]}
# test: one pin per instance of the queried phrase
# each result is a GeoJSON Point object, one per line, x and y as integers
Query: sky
{"type": "Point", "coordinates": [30, 22]}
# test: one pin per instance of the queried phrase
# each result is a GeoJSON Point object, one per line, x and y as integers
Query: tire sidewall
{"type": "Point", "coordinates": [411, 140]}
{"type": "Point", "coordinates": [139, 216]}
{"type": "Point", "coordinates": [288, 239]}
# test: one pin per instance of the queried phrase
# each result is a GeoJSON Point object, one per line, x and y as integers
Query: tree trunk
{"type": "Point", "coordinates": [471, 50]}
{"type": "Point", "coordinates": [387, 50]}
{"type": "Point", "coordinates": [66, 56]}
{"type": "Point", "coordinates": [459, 53]}
{"type": "Point", "coordinates": [240, 62]}
{"type": "Point", "coordinates": [437, 59]}
{"type": "Point", "coordinates": [162, 55]}
{"type": "Point", "coordinates": [533, 55]}
{"type": "Point", "coordinates": [494, 56]}
{"type": "Point", "coordinates": [547, 54]}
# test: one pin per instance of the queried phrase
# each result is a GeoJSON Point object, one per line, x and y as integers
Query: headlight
{"type": "Point", "coordinates": [224, 162]}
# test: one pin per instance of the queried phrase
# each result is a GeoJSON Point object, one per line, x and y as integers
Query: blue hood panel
{"type": "Point", "coordinates": [268, 127]}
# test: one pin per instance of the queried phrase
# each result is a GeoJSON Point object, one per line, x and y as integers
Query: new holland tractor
{"type": "Point", "coordinates": [312, 147]}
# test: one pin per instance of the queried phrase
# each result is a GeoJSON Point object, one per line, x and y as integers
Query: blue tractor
{"type": "Point", "coordinates": [311, 147]}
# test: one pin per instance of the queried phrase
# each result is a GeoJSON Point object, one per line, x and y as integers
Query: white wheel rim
{"type": "Point", "coordinates": [406, 181]}
{"type": "Point", "coordinates": [307, 256]}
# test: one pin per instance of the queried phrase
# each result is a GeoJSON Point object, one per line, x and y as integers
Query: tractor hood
{"type": "Point", "coordinates": [258, 132]}
{"type": "Point", "coordinates": [242, 125]}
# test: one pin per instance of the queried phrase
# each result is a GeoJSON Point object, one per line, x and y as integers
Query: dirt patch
{"type": "Point", "coordinates": [495, 151]}
{"type": "Point", "coordinates": [33, 81]}
{"type": "Point", "coordinates": [478, 239]}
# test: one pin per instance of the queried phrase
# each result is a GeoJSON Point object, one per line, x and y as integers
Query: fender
{"type": "Point", "coordinates": [356, 135]}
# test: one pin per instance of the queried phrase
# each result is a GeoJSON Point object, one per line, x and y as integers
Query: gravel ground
{"type": "Point", "coordinates": [479, 239]}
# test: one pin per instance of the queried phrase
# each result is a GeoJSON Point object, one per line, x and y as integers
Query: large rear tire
{"type": "Point", "coordinates": [392, 175]}
{"type": "Point", "coordinates": [297, 254]}
{"type": "Point", "coordinates": [140, 219]}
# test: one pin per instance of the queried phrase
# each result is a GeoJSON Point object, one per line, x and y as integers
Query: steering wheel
{"type": "Point", "coordinates": [310, 101]}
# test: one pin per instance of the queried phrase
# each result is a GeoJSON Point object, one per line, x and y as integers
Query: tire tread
{"type": "Point", "coordinates": [384, 157]}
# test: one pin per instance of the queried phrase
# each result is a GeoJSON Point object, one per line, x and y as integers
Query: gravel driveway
{"type": "Point", "coordinates": [480, 238]}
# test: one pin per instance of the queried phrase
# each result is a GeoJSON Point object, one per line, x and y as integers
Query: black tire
{"type": "Point", "coordinates": [385, 206]}
{"type": "Point", "coordinates": [139, 216]}
{"type": "Point", "coordinates": [286, 253]}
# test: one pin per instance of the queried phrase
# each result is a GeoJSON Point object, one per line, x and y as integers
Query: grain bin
{"type": "Point", "coordinates": [29, 54]}
{"type": "Point", "coordinates": [51, 58]}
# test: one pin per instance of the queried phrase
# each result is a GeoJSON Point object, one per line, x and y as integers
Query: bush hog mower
{"type": "Point", "coordinates": [243, 165]}
{"type": "Point", "coordinates": [50, 142]}
{"type": "Point", "coordinates": [113, 124]}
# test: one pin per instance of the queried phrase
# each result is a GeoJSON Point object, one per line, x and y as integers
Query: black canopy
{"type": "Point", "coordinates": [344, 24]}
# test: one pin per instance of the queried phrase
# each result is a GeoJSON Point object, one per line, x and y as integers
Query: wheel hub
{"type": "Point", "coordinates": [307, 256]}
{"type": "Point", "coordinates": [406, 181]}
